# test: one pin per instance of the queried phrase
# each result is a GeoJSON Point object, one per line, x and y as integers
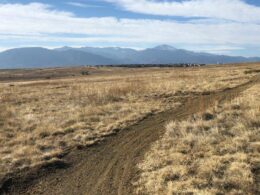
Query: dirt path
{"type": "Point", "coordinates": [109, 167]}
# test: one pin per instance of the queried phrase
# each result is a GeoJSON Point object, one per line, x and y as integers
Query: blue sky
{"type": "Point", "coordinates": [229, 27]}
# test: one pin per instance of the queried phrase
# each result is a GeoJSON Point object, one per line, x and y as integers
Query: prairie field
{"type": "Point", "coordinates": [213, 152]}
{"type": "Point", "coordinates": [42, 119]}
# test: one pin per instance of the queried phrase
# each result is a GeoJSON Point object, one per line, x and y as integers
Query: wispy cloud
{"type": "Point", "coordinates": [217, 49]}
{"type": "Point", "coordinates": [83, 5]}
{"type": "Point", "coordinates": [236, 10]}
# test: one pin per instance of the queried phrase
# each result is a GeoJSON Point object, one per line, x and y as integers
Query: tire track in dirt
{"type": "Point", "coordinates": [110, 166]}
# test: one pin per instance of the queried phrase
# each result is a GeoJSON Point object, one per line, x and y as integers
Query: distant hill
{"type": "Point", "coordinates": [166, 54]}
{"type": "Point", "coordinates": [122, 55]}
{"type": "Point", "coordinates": [40, 57]}
{"type": "Point", "coordinates": [67, 56]}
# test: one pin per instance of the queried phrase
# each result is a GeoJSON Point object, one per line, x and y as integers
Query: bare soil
{"type": "Point", "coordinates": [109, 167]}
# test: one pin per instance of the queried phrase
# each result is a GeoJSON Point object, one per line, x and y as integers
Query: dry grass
{"type": "Point", "coordinates": [211, 153]}
{"type": "Point", "coordinates": [41, 119]}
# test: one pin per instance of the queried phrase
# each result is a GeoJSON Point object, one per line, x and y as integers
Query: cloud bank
{"type": "Point", "coordinates": [235, 10]}
{"type": "Point", "coordinates": [41, 23]}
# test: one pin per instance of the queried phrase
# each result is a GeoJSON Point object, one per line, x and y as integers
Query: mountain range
{"type": "Point", "coordinates": [36, 57]}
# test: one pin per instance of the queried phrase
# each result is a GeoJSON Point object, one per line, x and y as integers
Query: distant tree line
{"type": "Point", "coordinates": [153, 65]}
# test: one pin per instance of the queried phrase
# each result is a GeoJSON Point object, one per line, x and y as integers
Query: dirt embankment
{"type": "Point", "coordinates": [110, 166]}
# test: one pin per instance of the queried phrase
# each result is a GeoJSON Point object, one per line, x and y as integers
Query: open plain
{"type": "Point", "coordinates": [90, 130]}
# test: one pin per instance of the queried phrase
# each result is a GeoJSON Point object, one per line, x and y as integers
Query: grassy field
{"type": "Point", "coordinates": [216, 152]}
{"type": "Point", "coordinates": [42, 118]}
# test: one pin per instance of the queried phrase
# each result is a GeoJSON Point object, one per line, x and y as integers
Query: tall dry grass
{"type": "Point", "coordinates": [216, 152]}
{"type": "Point", "coordinates": [39, 120]}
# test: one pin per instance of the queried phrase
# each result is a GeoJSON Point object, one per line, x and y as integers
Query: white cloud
{"type": "Point", "coordinates": [35, 22]}
{"type": "Point", "coordinates": [236, 10]}
{"type": "Point", "coordinates": [83, 5]}
{"type": "Point", "coordinates": [218, 49]}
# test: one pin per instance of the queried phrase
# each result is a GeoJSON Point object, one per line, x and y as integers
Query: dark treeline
{"type": "Point", "coordinates": [153, 65]}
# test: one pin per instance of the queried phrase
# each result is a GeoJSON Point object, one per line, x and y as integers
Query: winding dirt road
{"type": "Point", "coordinates": [110, 166]}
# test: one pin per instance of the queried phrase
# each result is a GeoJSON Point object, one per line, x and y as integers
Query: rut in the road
{"type": "Point", "coordinates": [110, 167]}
